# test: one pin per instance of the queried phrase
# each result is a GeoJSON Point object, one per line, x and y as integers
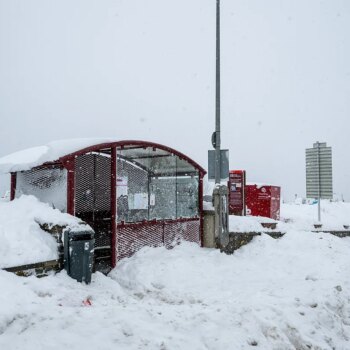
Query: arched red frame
{"type": "Point", "coordinates": [68, 161]}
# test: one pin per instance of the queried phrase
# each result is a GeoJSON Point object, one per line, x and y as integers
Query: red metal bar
{"type": "Point", "coordinates": [201, 224]}
{"type": "Point", "coordinates": [125, 143]}
{"type": "Point", "coordinates": [13, 186]}
{"type": "Point", "coordinates": [153, 222]}
{"type": "Point", "coordinates": [69, 164]}
{"type": "Point", "coordinates": [114, 205]}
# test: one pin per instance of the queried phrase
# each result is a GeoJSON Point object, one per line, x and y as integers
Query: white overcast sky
{"type": "Point", "coordinates": [145, 69]}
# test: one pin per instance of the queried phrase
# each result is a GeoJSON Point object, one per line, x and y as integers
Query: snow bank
{"type": "Point", "coordinates": [31, 157]}
{"type": "Point", "coordinates": [21, 239]}
{"type": "Point", "coordinates": [302, 216]}
{"type": "Point", "coordinates": [248, 223]}
{"type": "Point", "coordinates": [272, 294]}
{"type": "Point", "coordinates": [291, 293]}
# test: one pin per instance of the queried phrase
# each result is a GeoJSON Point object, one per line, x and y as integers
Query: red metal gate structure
{"type": "Point", "coordinates": [132, 193]}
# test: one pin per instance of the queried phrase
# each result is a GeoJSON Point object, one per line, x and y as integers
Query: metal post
{"type": "Point", "coordinates": [319, 182]}
{"type": "Point", "coordinates": [114, 206]}
{"type": "Point", "coordinates": [13, 186]}
{"type": "Point", "coordinates": [220, 199]}
{"type": "Point", "coordinates": [217, 98]}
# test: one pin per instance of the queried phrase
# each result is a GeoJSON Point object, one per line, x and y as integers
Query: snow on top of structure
{"type": "Point", "coordinates": [31, 157]}
{"type": "Point", "coordinates": [261, 184]}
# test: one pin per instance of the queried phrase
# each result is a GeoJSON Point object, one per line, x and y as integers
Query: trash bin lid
{"type": "Point", "coordinates": [81, 235]}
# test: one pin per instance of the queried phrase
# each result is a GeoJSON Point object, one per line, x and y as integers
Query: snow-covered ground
{"type": "Point", "coordinates": [302, 216]}
{"type": "Point", "coordinates": [289, 293]}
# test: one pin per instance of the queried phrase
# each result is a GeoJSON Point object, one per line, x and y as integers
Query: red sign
{"type": "Point", "coordinates": [236, 185]}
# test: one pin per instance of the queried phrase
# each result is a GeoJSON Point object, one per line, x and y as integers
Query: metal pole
{"type": "Point", "coordinates": [217, 98]}
{"type": "Point", "coordinates": [319, 181]}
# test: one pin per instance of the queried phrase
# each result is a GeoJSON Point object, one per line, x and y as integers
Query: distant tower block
{"type": "Point", "coordinates": [319, 177]}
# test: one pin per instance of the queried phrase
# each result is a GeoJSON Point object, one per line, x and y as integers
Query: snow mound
{"type": "Point", "coordinates": [290, 293]}
{"type": "Point", "coordinates": [248, 223]}
{"type": "Point", "coordinates": [22, 239]}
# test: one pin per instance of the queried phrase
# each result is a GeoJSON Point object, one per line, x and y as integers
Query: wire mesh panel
{"type": "Point", "coordinates": [84, 184]}
{"type": "Point", "coordinates": [133, 237]}
{"type": "Point", "coordinates": [49, 185]}
{"type": "Point", "coordinates": [176, 231]}
{"type": "Point", "coordinates": [92, 183]}
{"type": "Point", "coordinates": [93, 196]}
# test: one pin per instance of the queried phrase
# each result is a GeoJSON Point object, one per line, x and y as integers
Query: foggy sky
{"type": "Point", "coordinates": [136, 69]}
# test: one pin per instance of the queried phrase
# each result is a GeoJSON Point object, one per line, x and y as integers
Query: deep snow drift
{"type": "Point", "coordinates": [290, 293]}
{"type": "Point", "coordinates": [22, 241]}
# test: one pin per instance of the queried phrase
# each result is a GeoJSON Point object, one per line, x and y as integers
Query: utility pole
{"type": "Point", "coordinates": [217, 98]}
{"type": "Point", "coordinates": [220, 193]}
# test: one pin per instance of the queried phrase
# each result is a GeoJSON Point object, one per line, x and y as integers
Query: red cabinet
{"type": "Point", "coordinates": [263, 200]}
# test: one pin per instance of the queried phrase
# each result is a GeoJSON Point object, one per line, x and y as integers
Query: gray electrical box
{"type": "Point", "coordinates": [224, 165]}
{"type": "Point", "coordinates": [79, 254]}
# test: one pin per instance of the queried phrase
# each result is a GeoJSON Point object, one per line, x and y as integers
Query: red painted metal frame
{"type": "Point", "coordinates": [114, 205]}
{"type": "Point", "coordinates": [200, 195]}
{"type": "Point", "coordinates": [13, 186]}
{"type": "Point", "coordinates": [68, 160]}
{"type": "Point", "coordinates": [122, 144]}
{"type": "Point", "coordinates": [69, 164]}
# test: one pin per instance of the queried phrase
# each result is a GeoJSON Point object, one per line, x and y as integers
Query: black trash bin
{"type": "Point", "coordinates": [79, 254]}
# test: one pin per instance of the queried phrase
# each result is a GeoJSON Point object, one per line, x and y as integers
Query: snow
{"type": "Point", "coordinates": [260, 184]}
{"type": "Point", "coordinates": [297, 216]}
{"type": "Point", "coordinates": [22, 239]}
{"type": "Point", "coordinates": [303, 216]}
{"type": "Point", "coordinates": [248, 223]}
{"type": "Point", "coordinates": [272, 294]}
{"type": "Point", "coordinates": [29, 158]}
{"type": "Point", "coordinates": [291, 293]}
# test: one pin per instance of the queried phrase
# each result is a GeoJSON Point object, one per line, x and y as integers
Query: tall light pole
{"type": "Point", "coordinates": [217, 98]}
{"type": "Point", "coordinates": [220, 193]}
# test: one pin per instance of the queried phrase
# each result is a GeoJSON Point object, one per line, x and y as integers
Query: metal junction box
{"type": "Point", "coordinates": [263, 200]}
